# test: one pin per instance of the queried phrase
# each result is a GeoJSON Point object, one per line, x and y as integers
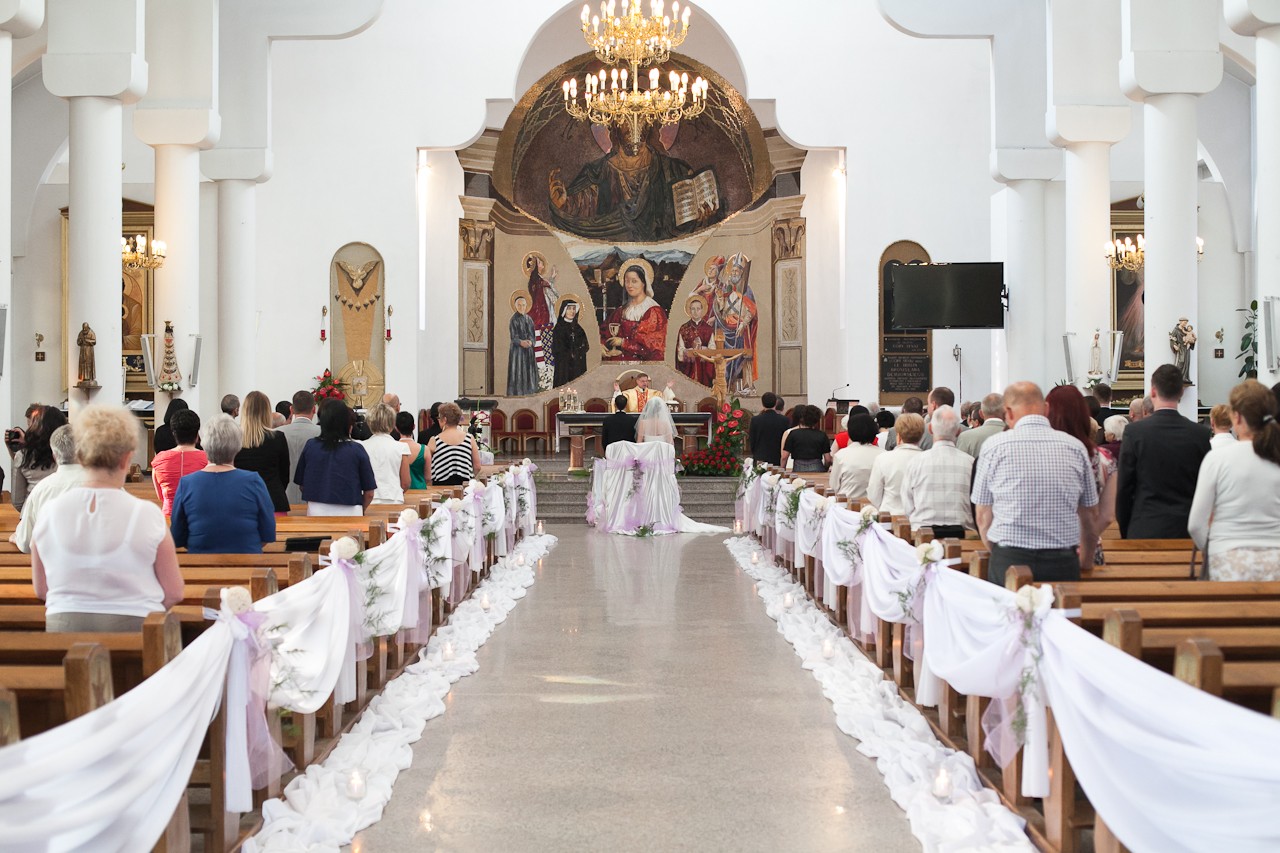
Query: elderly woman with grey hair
{"type": "Point", "coordinates": [222, 509]}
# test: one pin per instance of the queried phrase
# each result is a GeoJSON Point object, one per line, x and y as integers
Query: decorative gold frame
{"type": "Point", "coordinates": [1126, 223]}
{"type": "Point", "coordinates": [132, 223]}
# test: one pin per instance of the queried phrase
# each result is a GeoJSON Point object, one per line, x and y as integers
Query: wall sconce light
{"type": "Point", "coordinates": [324, 313]}
{"type": "Point", "coordinates": [390, 311]}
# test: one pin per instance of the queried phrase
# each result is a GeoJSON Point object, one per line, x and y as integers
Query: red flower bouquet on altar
{"type": "Point", "coordinates": [328, 388]}
{"type": "Point", "coordinates": [722, 458]}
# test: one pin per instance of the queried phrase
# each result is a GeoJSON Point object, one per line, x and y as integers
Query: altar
{"type": "Point", "coordinates": [579, 426]}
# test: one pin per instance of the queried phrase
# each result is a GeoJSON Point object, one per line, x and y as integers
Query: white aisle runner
{"type": "Point", "coordinates": [324, 808]}
{"type": "Point", "coordinates": [638, 699]}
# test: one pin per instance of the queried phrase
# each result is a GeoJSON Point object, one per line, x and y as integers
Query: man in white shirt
{"type": "Point", "coordinates": [887, 473]}
{"type": "Point", "coordinates": [935, 490]}
{"type": "Point", "coordinates": [68, 476]}
{"type": "Point", "coordinates": [298, 432]}
{"type": "Point", "coordinates": [992, 412]}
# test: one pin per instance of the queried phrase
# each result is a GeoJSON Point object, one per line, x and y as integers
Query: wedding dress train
{"type": "Point", "coordinates": [634, 492]}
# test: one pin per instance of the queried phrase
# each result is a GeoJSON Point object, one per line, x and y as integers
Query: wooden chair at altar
{"type": "Point", "coordinates": [498, 431]}
{"type": "Point", "coordinates": [524, 428]}
{"type": "Point", "coordinates": [708, 405]}
{"type": "Point", "coordinates": [597, 405]}
{"type": "Point", "coordinates": [830, 423]}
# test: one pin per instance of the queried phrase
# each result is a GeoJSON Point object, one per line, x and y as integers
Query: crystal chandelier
{"type": "Point", "coordinates": [616, 99]}
{"type": "Point", "coordinates": [134, 254]}
{"type": "Point", "coordinates": [1127, 255]}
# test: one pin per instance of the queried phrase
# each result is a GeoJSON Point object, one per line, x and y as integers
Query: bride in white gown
{"type": "Point", "coordinates": [655, 423]}
{"type": "Point", "coordinates": [624, 500]}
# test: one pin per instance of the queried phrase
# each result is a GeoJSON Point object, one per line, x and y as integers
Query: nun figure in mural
{"type": "Point", "coordinates": [637, 329]}
{"type": "Point", "coordinates": [522, 369]}
{"type": "Point", "coordinates": [734, 310]}
{"type": "Point", "coordinates": [697, 333]}
{"type": "Point", "coordinates": [569, 343]}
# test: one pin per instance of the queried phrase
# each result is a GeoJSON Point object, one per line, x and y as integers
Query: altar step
{"type": "Point", "coordinates": [562, 499]}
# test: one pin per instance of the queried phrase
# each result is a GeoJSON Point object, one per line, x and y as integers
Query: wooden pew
{"type": "Point", "coordinates": [48, 695]}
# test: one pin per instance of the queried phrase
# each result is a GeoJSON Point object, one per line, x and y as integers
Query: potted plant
{"type": "Point", "coordinates": [1249, 343]}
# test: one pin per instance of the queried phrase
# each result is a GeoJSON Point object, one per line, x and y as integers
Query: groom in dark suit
{"type": "Point", "coordinates": [1160, 460]}
{"type": "Point", "coordinates": [619, 426]}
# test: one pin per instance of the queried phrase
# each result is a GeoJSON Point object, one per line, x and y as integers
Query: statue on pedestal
{"type": "Point", "coordinates": [170, 377]}
{"type": "Point", "coordinates": [1182, 340]}
{"type": "Point", "coordinates": [86, 373]}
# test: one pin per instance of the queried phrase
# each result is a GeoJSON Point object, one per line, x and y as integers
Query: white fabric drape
{"type": "Point", "coordinates": [1169, 767]}
{"type": "Point", "coordinates": [311, 624]}
{"type": "Point", "coordinates": [111, 779]}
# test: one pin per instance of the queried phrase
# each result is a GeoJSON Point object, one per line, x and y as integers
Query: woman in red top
{"type": "Point", "coordinates": [170, 466]}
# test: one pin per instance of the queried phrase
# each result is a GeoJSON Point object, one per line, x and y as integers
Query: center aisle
{"type": "Point", "coordinates": [638, 699]}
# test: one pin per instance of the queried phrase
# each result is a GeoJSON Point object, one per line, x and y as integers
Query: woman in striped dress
{"type": "Point", "coordinates": [452, 457]}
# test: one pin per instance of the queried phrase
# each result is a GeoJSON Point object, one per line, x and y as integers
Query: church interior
{"type": "Point", "coordinates": [491, 204]}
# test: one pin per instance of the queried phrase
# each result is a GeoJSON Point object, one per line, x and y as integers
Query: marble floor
{"type": "Point", "coordinates": [638, 699]}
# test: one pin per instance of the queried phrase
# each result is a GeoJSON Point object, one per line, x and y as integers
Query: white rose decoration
{"type": "Point", "coordinates": [236, 600]}
{"type": "Point", "coordinates": [869, 514]}
{"type": "Point", "coordinates": [799, 483]}
{"type": "Point", "coordinates": [1033, 599]}
{"type": "Point", "coordinates": [476, 484]}
{"type": "Point", "coordinates": [526, 461]}
{"type": "Point", "coordinates": [453, 504]}
{"type": "Point", "coordinates": [344, 548]}
{"type": "Point", "coordinates": [823, 503]}
{"type": "Point", "coordinates": [930, 552]}
{"type": "Point", "coordinates": [408, 517]}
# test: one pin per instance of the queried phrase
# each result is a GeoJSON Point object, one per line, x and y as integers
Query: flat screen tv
{"type": "Point", "coordinates": [948, 296]}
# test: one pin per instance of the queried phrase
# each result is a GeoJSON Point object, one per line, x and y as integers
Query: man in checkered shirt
{"type": "Point", "coordinates": [1034, 494]}
{"type": "Point", "coordinates": [935, 490]}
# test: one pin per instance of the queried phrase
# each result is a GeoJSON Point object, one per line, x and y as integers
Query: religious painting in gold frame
{"type": "Point", "coordinates": [1127, 305]}
{"type": "Point", "coordinates": [137, 304]}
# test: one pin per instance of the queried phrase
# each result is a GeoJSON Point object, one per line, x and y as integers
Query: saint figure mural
{"type": "Point", "coordinates": [733, 311]}
{"type": "Point", "coordinates": [635, 193]}
{"type": "Point", "coordinates": [522, 370]}
{"type": "Point", "coordinates": [637, 329]}
{"type": "Point", "coordinates": [697, 333]}
{"type": "Point", "coordinates": [569, 342]}
{"type": "Point", "coordinates": [542, 307]}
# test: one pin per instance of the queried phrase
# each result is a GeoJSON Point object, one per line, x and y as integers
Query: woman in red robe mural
{"type": "Point", "coordinates": [637, 329]}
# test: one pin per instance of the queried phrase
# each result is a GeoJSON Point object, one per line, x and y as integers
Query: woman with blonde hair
{"type": "Point", "coordinates": [389, 458]}
{"type": "Point", "coordinates": [101, 559]}
{"type": "Point", "coordinates": [1235, 515]}
{"type": "Point", "coordinates": [264, 450]}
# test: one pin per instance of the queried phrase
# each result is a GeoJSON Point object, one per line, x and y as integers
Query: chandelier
{"type": "Point", "coordinates": [134, 253]}
{"type": "Point", "coordinates": [616, 99]}
{"type": "Point", "coordinates": [1127, 255]}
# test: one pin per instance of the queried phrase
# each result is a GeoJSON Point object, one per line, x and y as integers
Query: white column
{"type": "Point", "coordinates": [1088, 227]}
{"type": "Point", "coordinates": [93, 243]}
{"type": "Point", "coordinates": [1170, 226]}
{"type": "Point", "coordinates": [237, 270]}
{"type": "Point", "coordinates": [1266, 106]}
{"type": "Point", "coordinates": [178, 281]}
{"type": "Point", "coordinates": [1024, 274]}
{"type": "Point", "coordinates": [6, 232]}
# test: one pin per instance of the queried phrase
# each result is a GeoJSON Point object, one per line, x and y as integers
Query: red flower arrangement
{"type": "Point", "coordinates": [328, 388]}
{"type": "Point", "coordinates": [722, 458]}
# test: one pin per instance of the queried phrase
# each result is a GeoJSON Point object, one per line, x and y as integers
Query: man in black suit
{"type": "Point", "coordinates": [1160, 460]}
{"type": "Point", "coordinates": [1102, 393]}
{"type": "Point", "coordinates": [619, 426]}
{"type": "Point", "coordinates": [765, 436]}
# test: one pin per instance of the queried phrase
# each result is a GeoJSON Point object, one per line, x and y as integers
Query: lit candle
{"type": "Point", "coordinates": [519, 559]}
{"type": "Point", "coordinates": [788, 600]}
{"type": "Point", "coordinates": [355, 785]}
{"type": "Point", "coordinates": [565, 88]}
{"type": "Point", "coordinates": [942, 784]}
{"type": "Point", "coordinates": [586, 14]}
{"type": "Point", "coordinates": [684, 19]}
{"type": "Point", "coordinates": [755, 558]}
{"type": "Point", "coordinates": [624, 78]}
{"type": "Point", "coordinates": [653, 78]}
{"type": "Point", "coordinates": [541, 529]}
{"type": "Point", "coordinates": [484, 601]}
{"type": "Point", "coordinates": [828, 647]}
{"type": "Point", "coordinates": [447, 652]}
{"type": "Point", "coordinates": [737, 525]}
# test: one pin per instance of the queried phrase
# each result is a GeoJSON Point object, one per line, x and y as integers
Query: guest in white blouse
{"type": "Point", "coordinates": [884, 489]}
{"type": "Point", "coordinates": [1235, 515]}
{"type": "Point", "coordinates": [101, 559]}
{"type": "Point", "coordinates": [1220, 423]}
{"type": "Point", "coordinates": [851, 467]}
{"type": "Point", "coordinates": [390, 458]}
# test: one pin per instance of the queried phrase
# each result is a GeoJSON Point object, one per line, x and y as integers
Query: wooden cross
{"type": "Point", "coordinates": [720, 358]}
